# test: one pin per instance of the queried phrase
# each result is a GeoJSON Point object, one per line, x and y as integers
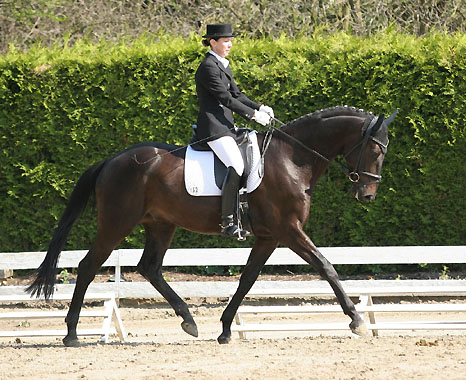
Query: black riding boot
{"type": "Point", "coordinates": [230, 189]}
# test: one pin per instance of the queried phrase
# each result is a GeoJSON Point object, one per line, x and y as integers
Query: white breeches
{"type": "Point", "coordinates": [228, 152]}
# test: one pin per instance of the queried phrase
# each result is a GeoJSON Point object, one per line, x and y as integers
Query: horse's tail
{"type": "Point", "coordinates": [45, 275]}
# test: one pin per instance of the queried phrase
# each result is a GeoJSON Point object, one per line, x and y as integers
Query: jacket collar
{"type": "Point", "coordinates": [224, 61]}
{"type": "Point", "coordinates": [226, 70]}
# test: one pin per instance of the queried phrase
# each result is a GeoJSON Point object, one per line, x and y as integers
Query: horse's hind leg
{"type": "Point", "coordinates": [158, 238]}
{"type": "Point", "coordinates": [261, 251]}
{"type": "Point", "coordinates": [87, 270]}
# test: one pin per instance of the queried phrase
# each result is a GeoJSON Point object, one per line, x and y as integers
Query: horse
{"type": "Point", "coordinates": [143, 184]}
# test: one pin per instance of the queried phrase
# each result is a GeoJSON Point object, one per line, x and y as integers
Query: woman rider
{"type": "Point", "coordinates": [219, 97]}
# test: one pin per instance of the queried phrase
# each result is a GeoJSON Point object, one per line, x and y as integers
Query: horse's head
{"type": "Point", "coordinates": [365, 159]}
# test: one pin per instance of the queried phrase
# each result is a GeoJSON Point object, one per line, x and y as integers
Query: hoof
{"type": "Point", "coordinates": [190, 328]}
{"type": "Point", "coordinates": [71, 342]}
{"type": "Point", "coordinates": [224, 339]}
{"type": "Point", "coordinates": [359, 329]}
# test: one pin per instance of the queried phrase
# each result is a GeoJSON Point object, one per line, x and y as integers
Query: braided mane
{"type": "Point", "coordinates": [330, 112]}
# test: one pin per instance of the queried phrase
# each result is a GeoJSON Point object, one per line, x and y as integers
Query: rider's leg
{"type": "Point", "coordinates": [229, 204]}
{"type": "Point", "coordinates": [228, 152]}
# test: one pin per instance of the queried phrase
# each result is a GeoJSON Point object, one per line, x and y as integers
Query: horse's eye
{"type": "Point", "coordinates": [375, 153]}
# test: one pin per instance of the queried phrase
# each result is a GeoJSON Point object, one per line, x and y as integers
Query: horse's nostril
{"type": "Point", "coordinates": [369, 197]}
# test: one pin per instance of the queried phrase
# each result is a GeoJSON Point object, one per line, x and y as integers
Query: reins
{"type": "Point", "coordinates": [342, 167]}
{"type": "Point", "coordinates": [353, 175]}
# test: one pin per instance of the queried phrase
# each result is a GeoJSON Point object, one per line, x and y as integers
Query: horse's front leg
{"type": "Point", "coordinates": [260, 252]}
{"type": "Point", "coordinates": [300, 243]}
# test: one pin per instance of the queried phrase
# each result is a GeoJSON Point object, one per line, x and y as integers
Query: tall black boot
{"type": "Point", "coordinates": [230, 189]}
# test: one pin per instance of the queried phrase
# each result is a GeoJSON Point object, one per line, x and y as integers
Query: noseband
{"type": "Point", "coordinates": [353, 175]}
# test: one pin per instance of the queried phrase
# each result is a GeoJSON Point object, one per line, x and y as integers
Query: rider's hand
{"type": "Point", "coordinates": [261, 117]}
{"type": "Point", "coordinates": [267, 109]}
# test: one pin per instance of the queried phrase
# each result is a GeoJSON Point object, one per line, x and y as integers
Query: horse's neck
{"type": "Point", "coordinates": [325, 136]}
{"type": "Point", "coordinates": [302, 161]}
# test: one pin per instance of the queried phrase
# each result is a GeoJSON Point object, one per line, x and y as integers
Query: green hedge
{"type": "Point", "coordinates": [63, 109]}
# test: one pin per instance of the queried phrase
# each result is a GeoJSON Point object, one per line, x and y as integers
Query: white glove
{"type": "Point", "coordinates": [261, 117]}
{"type": "Point", "coordinates": [267, 109]}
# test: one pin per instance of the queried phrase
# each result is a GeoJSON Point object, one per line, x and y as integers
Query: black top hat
{"type": "Point", "coordinates": [219, 30]}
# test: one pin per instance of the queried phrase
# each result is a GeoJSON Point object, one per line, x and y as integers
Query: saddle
{"type": "Point", "coordinates": [204, 172]}
{"type": "Point", "coordinates": [245, 145]}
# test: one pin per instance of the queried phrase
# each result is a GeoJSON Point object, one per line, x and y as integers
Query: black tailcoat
{"type": "Point", "coordinates": [219, 97]}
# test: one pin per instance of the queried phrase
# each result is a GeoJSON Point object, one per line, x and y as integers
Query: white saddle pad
{"type": "Point", "coordinates": [199, 176]}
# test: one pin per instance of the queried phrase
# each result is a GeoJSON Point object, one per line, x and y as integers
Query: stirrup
{"type": "Point", "coordinates": [233, 230]}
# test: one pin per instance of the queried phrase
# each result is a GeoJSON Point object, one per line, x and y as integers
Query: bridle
{"type": "Point", "coordinates": [353, 175]}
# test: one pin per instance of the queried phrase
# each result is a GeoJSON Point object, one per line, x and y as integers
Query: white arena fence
{"type": "Point", "coordinates": [111, 322]}
{"type": "Point", "coordinates": [365, 290]}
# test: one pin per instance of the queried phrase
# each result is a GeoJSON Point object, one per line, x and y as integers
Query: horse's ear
{"type": "Point", "coordinates": [378, 123]}
{"type": "Point", "coordinates": [390, 118]}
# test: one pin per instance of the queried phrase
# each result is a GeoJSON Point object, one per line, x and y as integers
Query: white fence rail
{"type": "Point", "coordinates": [235, 256]}
{"type": "Point", "coordinates": [110, 315]}
{"type": "Point", "coordinates": [365, 290]}
{"type": "Point", "coordinates": [365, 306]}
{"type": "Point", "coordinates": [238, 256]}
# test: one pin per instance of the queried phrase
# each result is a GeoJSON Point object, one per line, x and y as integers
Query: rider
{"type": "Point", "coordinates": [218, 97]}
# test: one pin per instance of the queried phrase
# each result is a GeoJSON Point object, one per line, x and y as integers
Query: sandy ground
{"type": "Point", "coordinates": [157, 348]}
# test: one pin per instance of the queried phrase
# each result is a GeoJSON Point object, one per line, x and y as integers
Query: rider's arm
{"type": "Point", "coordinates": [209, 77]}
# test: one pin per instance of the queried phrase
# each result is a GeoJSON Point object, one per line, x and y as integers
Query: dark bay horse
{"type": "Point", "coordinates": [144, 184]}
